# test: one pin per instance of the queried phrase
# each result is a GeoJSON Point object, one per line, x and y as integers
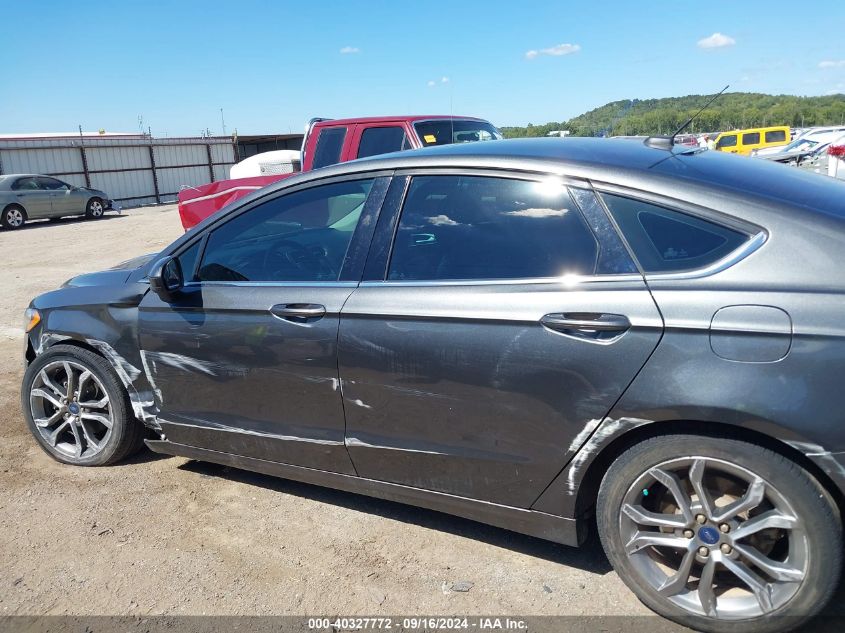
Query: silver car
{"type": "Point", "coordinates": [32, 197]}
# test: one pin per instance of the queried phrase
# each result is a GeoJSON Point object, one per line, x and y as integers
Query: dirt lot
{"type": "Point", "coordinates": [170, 536]}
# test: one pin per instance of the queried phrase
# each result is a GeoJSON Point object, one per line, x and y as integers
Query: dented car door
{"type": "Point", "coordinates": [244, 359]}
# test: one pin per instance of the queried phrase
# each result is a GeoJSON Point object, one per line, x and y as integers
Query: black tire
{"type": "Point", "coordinates": [14, 217]}
{"type": "Point", "coordinates": [95, 209]}
{"type": "Point", "coordinates": [810, 501]}
{"type": "Point", "coordinates": [127, 433]}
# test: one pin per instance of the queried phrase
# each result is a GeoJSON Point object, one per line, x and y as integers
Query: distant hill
{"type": "Point", "coordinates": [661, 116]}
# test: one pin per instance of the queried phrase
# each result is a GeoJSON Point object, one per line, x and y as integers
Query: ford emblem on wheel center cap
{"type": "Point", "coordinates": [73, 408]}
{"type": "Point", "coordinates": [709, 535]}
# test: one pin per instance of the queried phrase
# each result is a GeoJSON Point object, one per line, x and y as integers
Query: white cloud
{"type": "Point", "coordinates": [832, 63]}
{"type": "Point", "coordinates": [431, 84]}
{"type": "Point", "coordinates": [349, 50]}
{"type": "Point", "coordinates": [717, 40]}
{"type": "Point", "coordinates": [444, 80]}
{"type": "Point", "coordinates": [554, 51]}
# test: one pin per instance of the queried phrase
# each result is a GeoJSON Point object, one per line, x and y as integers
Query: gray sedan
{"type": "Point", "coordinates": [546, 335]}
{"type": "Point", "coordinates": [31, 197]}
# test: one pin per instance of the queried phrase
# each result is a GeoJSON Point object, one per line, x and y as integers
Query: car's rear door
{"type": "Point", "coordinates": [384, 137]}
{"type": "Point", "coordinates": [491, 336]}
{"type": "Point", "coordinates": [244, 360]}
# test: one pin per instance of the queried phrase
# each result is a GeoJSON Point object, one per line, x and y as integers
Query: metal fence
{"type": "Point", "coordinates": [132, 170]}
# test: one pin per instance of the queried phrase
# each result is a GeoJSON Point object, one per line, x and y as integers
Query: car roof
{"type": "Point", "coordinates": [623, 161]}
{"type": "Point", "coordinates": [395, 119]}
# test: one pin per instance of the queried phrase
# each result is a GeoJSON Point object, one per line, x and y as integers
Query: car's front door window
{"type": "Point", "coordinates": [51, 184]}
{"type": "Point", "coordinates": [302, 236]}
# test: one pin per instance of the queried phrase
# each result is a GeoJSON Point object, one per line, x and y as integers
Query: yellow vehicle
{"type": "Point", "coordinates": [743, 141]}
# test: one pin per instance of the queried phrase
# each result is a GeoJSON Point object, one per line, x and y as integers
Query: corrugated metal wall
{"type": "Point", "coordinates": [132, 170]}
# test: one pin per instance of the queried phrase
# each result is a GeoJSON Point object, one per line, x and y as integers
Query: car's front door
{"type": "Point", "coordinates": [244, 360]}
{"type": "Point", "coordinates": [35, 199]}
{"type": "Point", "coordinates": [498, 333]}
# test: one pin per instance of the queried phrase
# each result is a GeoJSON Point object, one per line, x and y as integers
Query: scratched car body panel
{"type": "Point", "coordinates": [617, 293]}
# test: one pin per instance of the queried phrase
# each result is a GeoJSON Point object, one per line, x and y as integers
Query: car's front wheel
{"type": "Point", "coordinates": [94, 209]}
{"type": "Point", "coordinates": [77, 409]}
{"type": "Point", "coordinates": [720, 534]}
{"type": "Point", "coordinates": [14, 217]}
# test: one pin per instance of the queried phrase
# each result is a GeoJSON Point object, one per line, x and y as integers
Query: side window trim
{"type": "Point", "coordinates": [757, 236]}
{"type": "Point", "coordinates": [612, 243]}
{"type": "Point", "coordinates": [355, 259]}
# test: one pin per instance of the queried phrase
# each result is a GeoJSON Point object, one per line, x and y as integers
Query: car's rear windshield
{"type": "Point", "coordinates": [447, 131]}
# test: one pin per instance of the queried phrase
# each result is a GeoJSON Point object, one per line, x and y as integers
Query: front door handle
{"type": "Point", "coordinates": [586, 322]}
{"type": "Point", "coordinates": [299, 312]}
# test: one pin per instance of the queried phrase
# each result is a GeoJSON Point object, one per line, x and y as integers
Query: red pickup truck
{"type": "Point", "coordinates": [330, 141]}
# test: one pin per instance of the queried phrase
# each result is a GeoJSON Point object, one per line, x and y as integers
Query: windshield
{"type": "Point", "coordinates": [446, 131]}
{"type": "Point", "coordinates": [799, 144]}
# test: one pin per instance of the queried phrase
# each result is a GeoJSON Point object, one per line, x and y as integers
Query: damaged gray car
{"type": "Point", "coordinates": [542, 335]}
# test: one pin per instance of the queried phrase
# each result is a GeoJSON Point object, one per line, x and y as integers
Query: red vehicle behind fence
{"type": "Point", "coordinates": [330, 141]}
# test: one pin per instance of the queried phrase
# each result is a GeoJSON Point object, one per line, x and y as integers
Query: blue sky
{"type": "Point", "coordinates": [273, 65]}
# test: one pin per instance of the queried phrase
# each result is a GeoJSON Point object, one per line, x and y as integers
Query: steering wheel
{"type": "Point", "coordinates": [299, 257]}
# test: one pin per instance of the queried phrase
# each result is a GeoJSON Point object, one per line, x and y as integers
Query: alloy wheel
{"type": "Point", "coordinates": [71, 409]}
{"type": "Point", "coordinates": [714, 538]}
{"type": "Point", "coordinates": [96, 208]}
{"type": "Point", "coordinates": [14, 218]}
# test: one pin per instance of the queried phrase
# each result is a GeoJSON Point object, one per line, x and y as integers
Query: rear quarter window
{"type": "Point", "coordinates": [665, 240]}
{"type": "Point", "coordinates": [751, 138]}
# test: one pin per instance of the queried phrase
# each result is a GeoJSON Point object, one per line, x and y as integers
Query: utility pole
{"type": "Point", "coordinates": [222, 122]}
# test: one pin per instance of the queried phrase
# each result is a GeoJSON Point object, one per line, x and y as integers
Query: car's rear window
{"type": "Point", "coordinates": [474, 227]}
{"type": "Point", "coordinates": [329, 146]}
{"type": "Point", "coordinates": [775, 136]}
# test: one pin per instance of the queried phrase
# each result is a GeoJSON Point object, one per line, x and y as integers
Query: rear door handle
{"type": "Point", "coordinates": [586, 322]}
{"type": "Point", "coordinates": [299, 312]}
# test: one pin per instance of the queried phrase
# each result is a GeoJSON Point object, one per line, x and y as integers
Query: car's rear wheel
{"type": "Point", "coordinates": [77, 409]}
{"type": "Point", "coordinates": [14, 217]}
{"type": "Point", "coordinates": [720, 534]}
{"type": "Point", "coordinates": [94, 209]}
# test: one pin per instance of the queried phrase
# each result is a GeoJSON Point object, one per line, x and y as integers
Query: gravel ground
{"type": "Point", "coordinates": [171, 536]}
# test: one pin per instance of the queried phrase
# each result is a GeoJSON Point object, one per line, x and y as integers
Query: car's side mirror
{"type": "Point", "coordinates": [166, 278]}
